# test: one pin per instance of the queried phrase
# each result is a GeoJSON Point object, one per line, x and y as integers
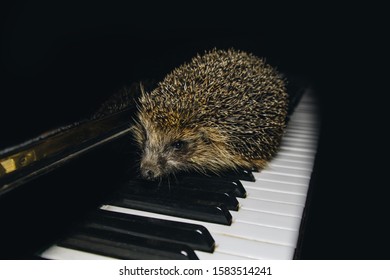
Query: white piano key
{"type": "Point", "coordinates": [278, 187]}
{"type": "Point", "coordinates": [297, 127]}
{"type": "Point", "coordinates": [267, 219]}
{"type": "Point", "coordinates": [285, 169]}
{"type": "Point", "coordinates": [305, 146]}
{"type": "Point", "coordinates": [236, 229]}
{"type": "Point", "coordinates": [302, 141]}
{"type": "Point", "coordinates": [251, 249]}
{"type": "Point", "coordinates": [306, 108]}
{"type": "Point", "coordinates": [286, 151]}
{"type": "Point", "coordinates": [291, 163]}
{"type": "Point", "coordinates": [299, 151]}
{"type": "Point", "coordinates": [274, 177]}
{"type": "Point", "coordinates": [299, 136]}
{"type": "Point", "coordinates": [219, 256]}
{"type": "Point", "coordinates": [302, 126]}
{"type": "Point", "coordinates": [61, 253]}
{"type": "Point", "coordinates": [304, 118]}
{"type": "Point", "coordinates": [270, 207]}
{"type": "Point", "coordinates": [287, 139]}
{"type": "Point", "coordinates": [294, 158]}
{"type": "Point", "coordinates": [302, 135]}
{"type": "Point", "coordinates": [309, 132]}
{"type": "Point", "coordinates": [275, 196]}
{"type": "Point", "coordinates": [257, 232]}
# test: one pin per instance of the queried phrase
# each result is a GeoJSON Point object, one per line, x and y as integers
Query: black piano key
{"type": "Point", "coordinates": [195, 236]}
{"type": "Point", "coordinates": [122, 246]}
{"type": "Point", "coordinates": [239, 174]}
{"type": "Point", "coordinates": [182, 194]}
{"type": "Point", "coordinates": [209, 213]}
{"type": "Point", "coordinates": [213, 185]}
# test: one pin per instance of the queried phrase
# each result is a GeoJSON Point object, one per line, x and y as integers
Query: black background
{"type": "Point", "coordinates": [60, 61]}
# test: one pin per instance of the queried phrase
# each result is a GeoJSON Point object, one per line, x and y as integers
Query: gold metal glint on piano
{"type": "Point", "coordinates": [61, 143]}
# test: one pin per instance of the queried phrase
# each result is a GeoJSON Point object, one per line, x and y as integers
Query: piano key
{"type": "Point", "coordinates": [277, 187]}
{"type": "Point", "coordinates": [257, 193]}
{"type": "Point", "coordinates": [305, 109]}
{"type": "Point", "coordinates": [195, 236]}
{"type": "Point", "coordinates": [301, 121]}
{"type": "Point", "coordinates": [210, 213]}
{"type": "Point", "coordinates": [176, 193]}
{"type": "Point", "coordinates": [304, 140]}
{"type": "Point", "coordinates": [239, 174]}
{"type": "Point", "coordinates": [227, 198]}
{"type": "Point", "coordinates": [56, 252]}
{"type": "Point", "coordinates": [271, 207]}
{"type": "Point", "coordinates": [307, 106]}
{"type": "Point", "coordinates": [122, 246]}
{"type": "Point", "coordinates": [301, 130]}
{"type": "Point", "coordinates": [300, 124]}
{"type": "Point", "coordinates": [219, 256]}
{"type": "Point", "coordinates": [190, 188]}
{"type": "Point", "coordinates": [253, 249]}
{"type": "Point", "coordinates": [213, 184]}
{"type": "Point", "coordinates": [291, 163]}
{"type": "Point", "coordinates": [300, 136]}
{"type": "Point", "coordinates": [267, 219]}
{"type": "Point", "coordinates": [304, 118]}
{"type": "Point", "coordinates": [299, 145]}
{"type": "Point", "coordinates": [285, 169]}
{"type": "Point", "coordinates": [294, 158]}
{"type": "Point", "coordinates": [236, 229]}
{"type": "Point", "coordinates": [282, 178]}
{"type": "Point", "coordinates": [299, 153]}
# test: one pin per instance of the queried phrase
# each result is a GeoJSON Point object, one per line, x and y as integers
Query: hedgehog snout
{"type": "Point", "coordinates": [153, 165]}
{"type": "Point", "coordinates": [150, 171]}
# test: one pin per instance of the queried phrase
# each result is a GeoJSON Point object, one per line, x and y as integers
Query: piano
{"type": "Point", "coordinates": [74, 193]}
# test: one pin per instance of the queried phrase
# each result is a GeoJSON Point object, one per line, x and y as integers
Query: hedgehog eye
{"type": "Point", "coordinates": [178, 145]}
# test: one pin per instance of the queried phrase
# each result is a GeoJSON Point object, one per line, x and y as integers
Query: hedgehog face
{"type": "Point", "coordinates": [161, 157]}
{"type": "Point", "coordinates": [164, 151]}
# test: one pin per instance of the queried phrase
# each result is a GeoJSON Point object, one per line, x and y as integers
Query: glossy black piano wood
{"type": "Point", "coordinates": [40, 208]}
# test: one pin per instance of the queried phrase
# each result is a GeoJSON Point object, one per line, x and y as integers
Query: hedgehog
{"type": "Point", "coordinates": [223, 110]}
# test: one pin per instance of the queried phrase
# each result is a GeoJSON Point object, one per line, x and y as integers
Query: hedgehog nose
{"type": "Point", "coordinates": [148, 174]}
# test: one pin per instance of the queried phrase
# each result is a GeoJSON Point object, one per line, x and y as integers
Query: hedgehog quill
{"type": "Point", "coordinates": [220, 111]}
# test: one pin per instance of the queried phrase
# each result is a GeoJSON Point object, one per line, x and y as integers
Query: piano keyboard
{"type": "Point", "coordinates": [266, 225]}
